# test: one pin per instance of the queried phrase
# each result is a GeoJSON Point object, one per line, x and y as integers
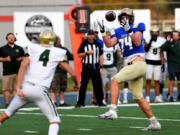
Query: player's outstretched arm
{"type": "Point", "coordinates": [20, 76]}
{"type": "Point", "coordinates": [69, 69]}
{"type": "Point", "coordinates": [109, 42]}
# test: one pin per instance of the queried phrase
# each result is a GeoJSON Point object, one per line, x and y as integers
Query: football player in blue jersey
{"type": "Point", "coordinates": [129, 36]}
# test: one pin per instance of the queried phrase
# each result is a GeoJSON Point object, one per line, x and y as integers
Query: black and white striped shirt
{"type": "Point", "coordinates": [90, 59]}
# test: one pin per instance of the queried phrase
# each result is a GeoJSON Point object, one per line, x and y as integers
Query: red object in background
{"type": "Point", "coordinates": [76, 40]}
{"type": "Point", "coordinates": [6, 18]}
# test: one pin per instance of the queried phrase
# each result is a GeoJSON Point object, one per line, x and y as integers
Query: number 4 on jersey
{"type": "Point", "coordinates": [44, 57]}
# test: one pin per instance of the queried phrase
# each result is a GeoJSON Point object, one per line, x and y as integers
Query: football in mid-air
{"type": "Point", "coordinates": [110, 16]}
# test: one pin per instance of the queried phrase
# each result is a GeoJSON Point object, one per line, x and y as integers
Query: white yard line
{"type": "Point", "coordinates": [93, 116]}
{"type": "Point", "coordinates": [92, 106]}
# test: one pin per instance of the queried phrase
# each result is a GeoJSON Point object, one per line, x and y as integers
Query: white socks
{"type": "Point", "coordinates": [0, 123]}
{"type": "Point", "coordinates": [62, 102]}
{"type": "Point", "coordinates": [113, 107]}
{"type": "Point", "coordinates": [152, 118]}
{"type": "Point", "coordinates": [53, 129]}
{"type": "Point", "coordinates": [125, 93]}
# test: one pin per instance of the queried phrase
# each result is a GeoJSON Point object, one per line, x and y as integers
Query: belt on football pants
{"type": "Point", "coordinates": [130, 63]}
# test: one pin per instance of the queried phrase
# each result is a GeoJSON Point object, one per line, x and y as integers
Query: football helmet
{"type": "Point", "coordinates": [154, 28]}
{"type": "Point", "coordinates": [47, 37]}
{"type": "Point", "coordinates": [126, 12]}
{"type": "Point", "coordinates": [167, 31]}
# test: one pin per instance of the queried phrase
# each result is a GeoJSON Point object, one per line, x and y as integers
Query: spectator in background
{"type": "Point", "coordinates": [154, 60]}
{"type": "Point", "coordinates": [172, 47]}
{"type": "Point", "coordinates": [11, 56]}
{"type": "Point", "coordinates": [59, 83]}
{"type": "Point", "coordinates": [92, 60]}
{"type": "Point", "coordinates": [167, 31]}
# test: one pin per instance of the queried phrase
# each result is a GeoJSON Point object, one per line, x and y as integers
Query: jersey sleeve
{"type": "Point", "coordinates": [63, 55]}
{"type": "Point", "coordinates": [113, 33]}
{"type": "Point", "coordinates": [26, 54]}
{"type": "Point", "coordinates": [100, 49]}
{"type": "Point", "coordinates": [27, 51]}
{"type": "Point", "coordinates": [139, 27]}
{"type": "Point", "coordinates": [81, 48]}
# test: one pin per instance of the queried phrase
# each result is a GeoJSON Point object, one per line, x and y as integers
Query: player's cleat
{"type": "Point", "coordinates": [178, 98]}
{"type": "Point", "coordinates": [56, 104]}
{"type": "Point", "coordinates": [154, 125]}
{"type": "Point", "coordinates": [158, 100]}
{"type": "Point", "coordinates": [125, 101]}
{"type": "Point", "coordinates": [170, 99]}
{"type": "Point", "coordinates": [161, 97]}
{"type": "Point", "coordinates": [111, 115]}
{"type": "Point", "coordinates": [6, 106]}
{"type": "Point", "coordinates": [101, 105]}
{"type": "Point", "coordinates": [64, 104]}
{"type": "Point", "coordinates": [104, 102]}
{"type": "Point", "coordinates": [79, 106]}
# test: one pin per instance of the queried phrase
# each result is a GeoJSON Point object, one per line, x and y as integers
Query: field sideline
{"type": "Point", "coordinates": [84, 121]}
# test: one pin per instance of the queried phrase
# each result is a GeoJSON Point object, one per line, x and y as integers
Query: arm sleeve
{"type": "Point", "coordinates": [100, 49]}
{"type": "Point", "coordinates": [22, 52]}
{"type": "Point", "coordinates": [146, 48]}
{"type": "Point", "coordinates": [141, 27]}
{"type": "Point", "coordinates": [69, 55]}
{"type": "Point", "coordinates": [81, 48]}
{"type": "Point", "coordinates": [113, 33]}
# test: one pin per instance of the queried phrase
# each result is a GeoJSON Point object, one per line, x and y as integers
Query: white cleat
{"type": "Point", "coordinates": [158, 100]}
{"type": "Point", "coordinates": [125, 101]}
{"type": "Point", "coordinates": [154, 126]}
{"type": "Point", "coordinates": [110, 115]}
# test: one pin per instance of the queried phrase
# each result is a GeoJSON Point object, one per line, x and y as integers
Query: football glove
{"type": "Point", "coordinates": [101, 26]}
{"type": "Point", "coordinates": [125, 25]}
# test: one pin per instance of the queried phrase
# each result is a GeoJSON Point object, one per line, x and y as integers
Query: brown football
{"type": "Point", "coordinates": [110, 16]}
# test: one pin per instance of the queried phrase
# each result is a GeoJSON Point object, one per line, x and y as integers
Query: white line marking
{"type": "Point", "coordinates": [136, 127]}
{"type": "Point", "coordinates": [92, 116]}
{"type": "Point", "coordinates": [84, 129]}
{"type": "Point", "coordinates": [93, 106]}
{"type": "Point", "coordinates": [32, 132]}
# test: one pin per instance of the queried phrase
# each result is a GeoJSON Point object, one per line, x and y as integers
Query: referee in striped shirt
{"type": "Point", "coordinates": [92, 60]}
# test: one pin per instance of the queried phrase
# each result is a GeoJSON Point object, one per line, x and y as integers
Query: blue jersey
{"type": "Point", "coordinates": [125, 43]}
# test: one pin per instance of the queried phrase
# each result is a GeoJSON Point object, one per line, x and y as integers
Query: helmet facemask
{"type": "Point", "coordinates": [126, 12]}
